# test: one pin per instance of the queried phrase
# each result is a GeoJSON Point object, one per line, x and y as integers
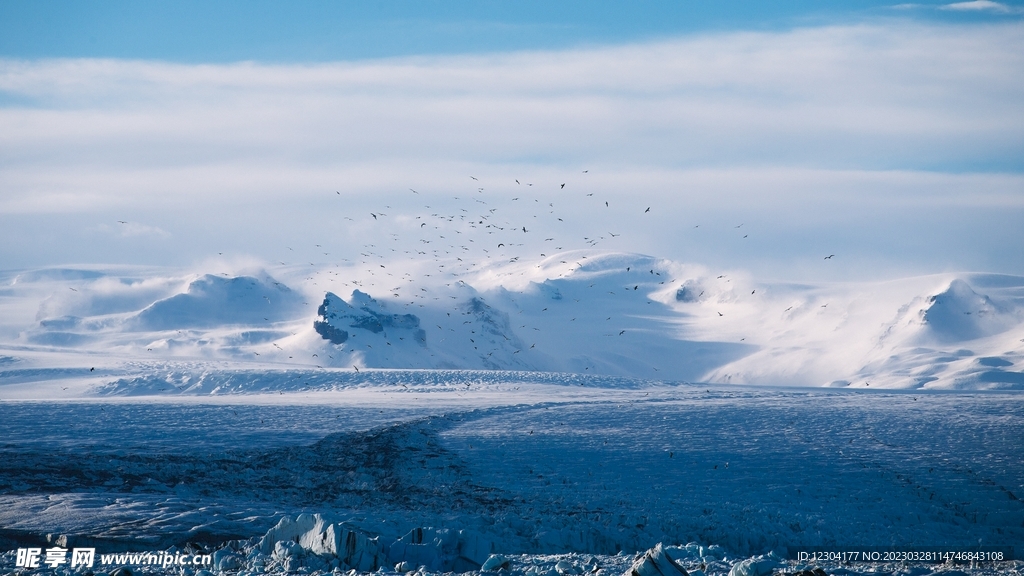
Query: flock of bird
{"type": "Point", "coordinates": [424, 240]}
{"type": "Point", "coordinates": [447, 240]}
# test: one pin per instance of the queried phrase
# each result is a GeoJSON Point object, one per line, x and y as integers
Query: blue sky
{"type": "Point", "coordinates": [197, 31]}
{"type": "Point", "coordinates": [170, 133]}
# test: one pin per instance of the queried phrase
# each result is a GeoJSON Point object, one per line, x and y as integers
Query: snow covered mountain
{"type": "Point", "coordinates": [524, 414]}
{"type": "Point", "coordinates": [586, 312]}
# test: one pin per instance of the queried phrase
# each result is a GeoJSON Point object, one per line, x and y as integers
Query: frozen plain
{"type": "Point", "coordinates": [532, 465]}
{"type": "Point", "coordinates": [143, 410]}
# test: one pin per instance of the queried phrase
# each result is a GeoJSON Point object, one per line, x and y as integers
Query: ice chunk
{"type": "Point", "coordinates": [442, 549]}
{"type": "Point", "coordinates": [494, 563]}
{"type": "Point", "coordinates": [287, 549]}
{"type": "Point", "coordinates": [428, 547]}
{"type": "Point", "coordinates": [655, 562]}
{"type": "Point", "coordinates": [760, 566]}
{"type": "Point", "coordinates": [314, 534]}
{"type": "Point", "coordinates": [565, 567]}
{"type": "Point", "coordinates": [225, 559]}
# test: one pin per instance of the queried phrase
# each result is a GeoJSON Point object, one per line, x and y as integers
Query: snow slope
{"type": "Point", "coordinates": [585, 312]}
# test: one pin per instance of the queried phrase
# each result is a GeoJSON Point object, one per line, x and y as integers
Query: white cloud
{"type": "Point", "coordinates": [799, 124]}
{"type": "Point", "coordinates": [981, 5]}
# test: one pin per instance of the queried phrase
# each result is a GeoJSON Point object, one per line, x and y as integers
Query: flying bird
{"type": "Point", "coordinates": [563, 185]}
{"type": "Point", "coordinates": [374, 215]}
{"type": "Point", "coordinates": [648, 210]}
{"type": "Point", "coordinates": [829, 257]}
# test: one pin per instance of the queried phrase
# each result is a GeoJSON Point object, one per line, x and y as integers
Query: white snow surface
{"type": "Point", "coordinates": [581, 312]}
{"type": "Point", "coordinates": [549, 417]}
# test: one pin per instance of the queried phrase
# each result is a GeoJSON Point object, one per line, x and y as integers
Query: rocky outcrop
{"type": "Point", "coordinates": [335, 318]}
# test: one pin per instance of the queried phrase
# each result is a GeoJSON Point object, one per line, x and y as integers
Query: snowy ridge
{"type": "Point", "coordinates": [213, 301]}
{"type": "Point", "coordinates": [583, 312]}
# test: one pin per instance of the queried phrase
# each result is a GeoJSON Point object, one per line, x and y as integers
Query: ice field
{"type": "Point", "coordinates": [542, 466]}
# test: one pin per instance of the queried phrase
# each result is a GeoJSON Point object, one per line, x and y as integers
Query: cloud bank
{"type": "Point", "coordinates": [841, 131]}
